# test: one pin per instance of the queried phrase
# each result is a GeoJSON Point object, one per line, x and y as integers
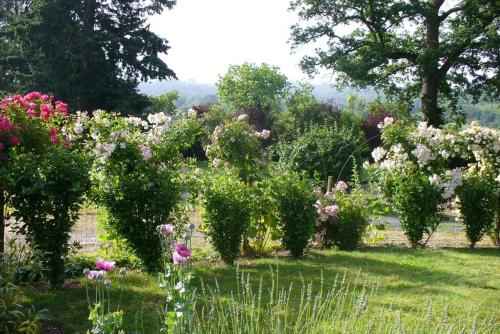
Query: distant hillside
{"type": "Point", "coordinates": [192, 93]}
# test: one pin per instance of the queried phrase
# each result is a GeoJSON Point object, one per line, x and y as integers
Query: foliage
{"type": "Point", "coordinates": [20, 264]}
{"type": "Point", "coordinates": [259, 89]}
{"type": "Point", "coordinates": [227, 212]}
{"type": "Point", "coordinates": [416, 201]}
{"type": "Point", "coordinates": [163, 103]}
{"type": "Point", "coordinates": [371, 129]}
{"type": "Point", "coordinates": [478, 196]}
{"type": "Point", "coordinates": [237, 144]}
{"type": "Point", "coordinates": [16, 317]}
{"type": "Point", "coordinates": [139, 175]}
{"type": "Point", "coordinates": [47, 213]}
{"type": "Point", "coordinates": [442, 49]}
{"type": "Point", "coordinates": [302, 112]}
{"type": "Point", "coordinates": [91, 53]}
{"type": "Point", "coordinates": [294, 203]}
{"type": "Point", "coordinates": [324, 151]}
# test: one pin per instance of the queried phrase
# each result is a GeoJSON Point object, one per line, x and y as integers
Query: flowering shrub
{"type": "Point", "coordinates": [478, 204]}
{"type": "Point", "coordinates": [294, 202]}
{"type": "Point", "coordinates": [176, 278]}
{"type": "Point", "coordinates": [37, 165]}
{"type": "Point", "coordinates": [236, 144]}
{"type": "Point", "coordinates": [343, 217]}
{"type": "Point", "coordinates": [104, 320]}
{"type": "Point", "coordinates": [228, 210]}
{"type": "Point", "coordinates": [140, 175]}
{"type": "Point", "coordinates": [421, 168]}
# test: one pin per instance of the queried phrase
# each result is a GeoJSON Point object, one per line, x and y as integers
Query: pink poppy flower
{"type": "Point", "coordinates": [167, 230]}
{"type": "Point", "coordinates": [181, 254]}
{"type": "Point", "coordinates": [105, 265]}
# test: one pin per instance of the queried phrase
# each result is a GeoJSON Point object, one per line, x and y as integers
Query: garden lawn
{"type": "Point", "coordinates": [459, 280]}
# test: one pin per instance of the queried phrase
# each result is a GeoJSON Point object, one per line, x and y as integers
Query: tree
{"type": "Point", "coordinates": [91, 53]}
{"type": "Point", "coordinates": [255, 90]}
{"type": "Point", "coordinates": [163, 103]}
{"type": "Point", "coordinates": [439, 49]}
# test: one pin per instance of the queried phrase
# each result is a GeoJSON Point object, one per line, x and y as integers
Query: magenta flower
{"type": "Point", "coordinates": [105, 265]}
{"type": "Point", "coordinates": [167, 230]}
{"type": "Point", "coordinates": [15, 140]}
{"type": "Point", "coordinates": [181, 254]}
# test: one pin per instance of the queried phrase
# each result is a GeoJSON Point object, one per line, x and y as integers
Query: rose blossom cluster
{"type": "Point", "coordinates": [34, 105]}
{"type": "Point", "coordinates": [264, 134]}
{"type": "Point", "coordinates": [430, 150]}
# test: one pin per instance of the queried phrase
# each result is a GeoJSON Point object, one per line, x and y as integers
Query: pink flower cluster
{"type": "Point", "coordinates": [181, 254]}
{"type": "Point", "coordinates": [36, 104]}
{"type": "Point", "coordinates": [327, 212]}
{"type": "Point", "coordinates": [6, 130]}
{"type": "Point", "coordinates": [264, 134]}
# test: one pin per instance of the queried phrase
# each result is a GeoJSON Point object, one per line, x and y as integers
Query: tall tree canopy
{"type": "Point", "coordinates": [439, 50]}
{"type": "Point", "coordinates": [255, 90]}
{"type": "Point", "coordinates": [90, 53]}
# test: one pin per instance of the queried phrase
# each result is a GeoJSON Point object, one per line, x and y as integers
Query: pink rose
{"type": "Point", "coordinates": [265, 134]}
{"type": "Point", "coordinates": [53, 135]}
{"type": "Point", "coordinates": [15, 140]}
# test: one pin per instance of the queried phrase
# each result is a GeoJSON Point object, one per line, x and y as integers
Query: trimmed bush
{"type": "Point", "coordinates": [295, 205]}
{"type": "Point", "coordinates": [228, 210]}
{"type": "Point", "coordinates": [478, 205]}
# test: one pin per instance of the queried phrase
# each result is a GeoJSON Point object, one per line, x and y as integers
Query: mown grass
{"type": "Point", "coordinates": [461, 282]}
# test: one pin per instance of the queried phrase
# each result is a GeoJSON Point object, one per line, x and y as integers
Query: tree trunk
{"type": "Point", "coordinates": [2, 222]}
{"type": "Point", "coordinates": [430, 85]}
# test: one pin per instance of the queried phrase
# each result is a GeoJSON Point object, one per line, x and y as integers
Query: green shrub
{"type": "Point", "coordinates": [348, 232]}
{"type": "Point", "coordinates": [46, 192]}
{"type": "Point", "coordinates": [295, 206]}
{"type": "Point", "coordinates": [20, 263]}
{"type": "Point", "coordinates": [228, 209]}
{"type": "Point", "coordinates": [478, 205]}
{"type": "Point", "coordinates": [416, 201]}
{"type": "Point", "coordinates": [323, 151]}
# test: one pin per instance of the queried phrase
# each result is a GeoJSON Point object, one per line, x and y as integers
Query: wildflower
{"type": "Point", "coordinates": [341, 186]}
{"type": "Point", "coordinates": [105, 265]}
{"type": "Point", "coordinates": [166, 230]}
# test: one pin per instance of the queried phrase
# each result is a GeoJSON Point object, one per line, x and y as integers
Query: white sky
{"type": "Point", "coordinates": [206, 36]}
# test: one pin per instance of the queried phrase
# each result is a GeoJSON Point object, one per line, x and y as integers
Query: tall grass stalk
{"type": "Point", "coordinates": [339, 308]}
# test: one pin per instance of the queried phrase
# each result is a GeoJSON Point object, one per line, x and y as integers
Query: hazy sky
{"type": "Point", "coordinates": [206, 36]}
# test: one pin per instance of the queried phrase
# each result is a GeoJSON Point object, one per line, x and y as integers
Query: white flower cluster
{"type": "Point", "coordinates": [104, 150]}
{"type": "Point", "coordinates": [159, 125]}
{"type": "Point", "coordinates": [423, 155]}
{"type": "Point", "coordinates": [136, 121]}
{"type": "Point", "coordinates": [449, 184]}
{"type": "Point", "coordinates": [387, 121]}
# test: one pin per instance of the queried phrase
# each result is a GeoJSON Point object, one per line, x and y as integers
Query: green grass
{"type": "Point", "coordinates": [460, 280]}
